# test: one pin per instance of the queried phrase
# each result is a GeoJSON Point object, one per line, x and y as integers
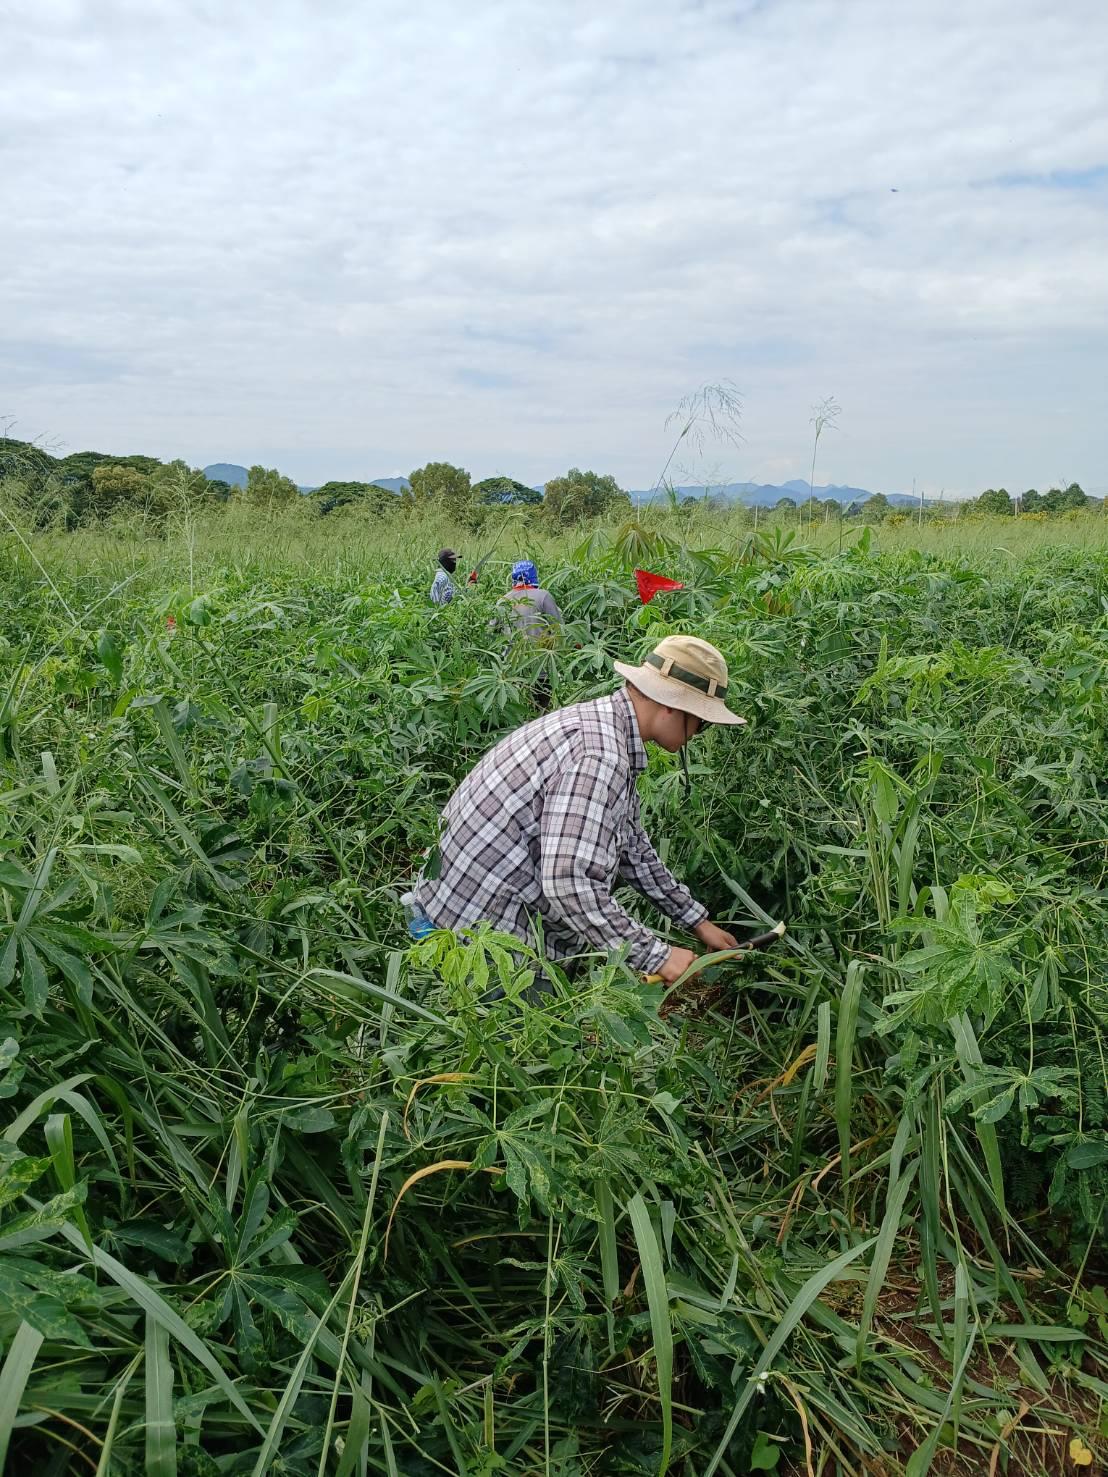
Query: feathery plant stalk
{"type": "Point", "coordinates": [824, 416]}
{"type": "Point", "coordinates": [710, 413]}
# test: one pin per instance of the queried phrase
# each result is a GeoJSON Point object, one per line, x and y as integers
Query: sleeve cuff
{"type": "Point", "coordinates": [650, 957]}
{"type": "Point", "coordinates": [692, 915]}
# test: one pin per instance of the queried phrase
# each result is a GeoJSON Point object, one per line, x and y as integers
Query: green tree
{"type": "Point", "coordinates": [444, 486]}
{"type": "Point", "coordinates": [367, 495]}
{"type": "Point", "coordinates": [73, 476]}
{"type": "Point", "coordinates": [506, 490]}
{"type": "Point", "coordinates": [1073, 498]}
{"type": "Point", "coordinates": [266, 487]}
{"type": "Point", "coordinates": [180, 489]}
{"type": "Point", "coordinates": [994, 500]}
{"type": "Point", "coordinates": [24, 462]}
{"type": "Point", "coordinates": [116, 489]}
{"type": "Point", "coordinates": [1031, 501]}
{"type": "Point", "coordinates": [875, 509]}
{"type": "Point", "coordinates": [580, 495]}
{"type": "Point", "coordinates": [785, 505]}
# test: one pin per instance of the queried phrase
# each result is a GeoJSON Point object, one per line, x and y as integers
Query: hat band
{"type": "Point", "coordinates": [669, 668]}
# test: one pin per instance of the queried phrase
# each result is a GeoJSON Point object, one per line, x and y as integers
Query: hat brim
{"type": "Point", "coordinates": [673, 694]}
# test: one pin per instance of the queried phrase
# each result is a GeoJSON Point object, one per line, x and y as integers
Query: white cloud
{"type": "Point", "coordinates": [514, 234]}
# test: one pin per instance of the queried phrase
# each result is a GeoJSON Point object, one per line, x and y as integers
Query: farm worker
{"type": "Point", "coordinates": [540, 831]}
{"type": "Point", "coordinates": [442, 586]}
{"type": "Point", "coordinates": [531, 610]}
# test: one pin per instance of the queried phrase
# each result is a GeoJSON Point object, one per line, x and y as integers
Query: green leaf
{"type": "Point", "coordinates": [152, 1302]}
{"type": "Point", "coordinates": [18, 1175]}
{"type": "Point", "coordinates": [823, 1046]}
{"type": "Point", "coordinates": [49, 1217]}
{"type": "Point", "coordinates": [1088, 1154]}
{"type": "Point", "coordinates": [765, 1454]}
{"type": "Point", "coordinates": [110, 653]}
{"type": "Point", "coordinates": [36, 988]}
{"type": "Point", "coordinates": [45, 1313]}
{"type": "Point", "coordinates": [995, 1108]}
{"type": "Point", "coordinates": [59, 1139]}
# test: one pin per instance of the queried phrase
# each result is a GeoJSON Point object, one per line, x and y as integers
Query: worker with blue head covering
{"type": "Point", "coordinates": [533, 612]}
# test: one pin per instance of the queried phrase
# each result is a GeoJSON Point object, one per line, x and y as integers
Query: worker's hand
{"type": "Point", "coordinates": [714, 937]}
{"type": "Point", "coordinates": [676, 962]}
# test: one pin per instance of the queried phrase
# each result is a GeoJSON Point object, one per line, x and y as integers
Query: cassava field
{"type": "Point", "coordinates": [278, 1194]}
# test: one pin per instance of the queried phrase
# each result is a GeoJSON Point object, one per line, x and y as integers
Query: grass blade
{"type": "Point", "coordinates": [609, 1255]}
{"type": "Point", "coordinates": [919, 1463]}
{"type": "Point", "coordinates": [104, 1465]}
{"type": "Point", "coordinates": [13, 1381]}
{"type": "Point", "coordinates": [161, 1434]}
{"type": "Point", "coordinates": [367, 987]}
{"type": "Point", "coordinates": [360, 1261]}
{"type": "Point", "coordinates": [823, 1045]}
{"type": "Point", "coordinates": [793, 1314]}
{"type": "Point", "coordinates": [844, 1060]}
{"type": "Point", "coordinates": [272, 1438]}
{"type": "Point", "coordinates": [882, 1252]}
{"type": "Point", "coordinates": [657, 1298]}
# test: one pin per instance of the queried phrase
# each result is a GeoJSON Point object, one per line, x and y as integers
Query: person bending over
{"type": "Point", "coordinates": [547, 824]}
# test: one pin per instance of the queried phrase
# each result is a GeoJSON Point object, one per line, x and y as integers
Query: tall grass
{"type": "Point", "coordinates": [280, 1194]}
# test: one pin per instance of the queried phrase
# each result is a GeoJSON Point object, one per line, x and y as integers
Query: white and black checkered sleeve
{"type": "Point", "coordinates": [579, 860]}
{"type": "Point", "coordinates": [641, 865]}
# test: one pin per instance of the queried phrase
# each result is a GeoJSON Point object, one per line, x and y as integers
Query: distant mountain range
{"type": "Point", "coordinates": [762, 494]}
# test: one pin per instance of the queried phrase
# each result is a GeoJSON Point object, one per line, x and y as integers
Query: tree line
{"type": "Point", "coordinates": [88, 488]}
{"type": "Point", "coordinates": [877, 508]}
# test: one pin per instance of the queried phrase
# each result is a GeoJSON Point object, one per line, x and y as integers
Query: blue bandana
{"type": "Point", "coordinates": [525, 573]}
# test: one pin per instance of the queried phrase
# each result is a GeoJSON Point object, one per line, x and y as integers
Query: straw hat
{"type": "Point", "coordinates": [686, 673]}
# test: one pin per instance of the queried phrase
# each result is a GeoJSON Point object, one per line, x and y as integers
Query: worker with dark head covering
{"type": "Point", "coordinates": [442, 586]}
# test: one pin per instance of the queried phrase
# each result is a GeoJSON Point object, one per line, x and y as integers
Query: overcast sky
{"type": "Point", "coordinates": [346, 239]}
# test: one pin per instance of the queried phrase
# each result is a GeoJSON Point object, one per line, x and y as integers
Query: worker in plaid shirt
{"type": "Point", "coordinates": [537, 836]}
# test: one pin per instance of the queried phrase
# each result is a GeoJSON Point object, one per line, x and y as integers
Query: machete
{"type": "Point", "coordinates": [723, 956]}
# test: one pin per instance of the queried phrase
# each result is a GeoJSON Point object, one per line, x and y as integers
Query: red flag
{"type": "Point", "coordinates": [653, 584]}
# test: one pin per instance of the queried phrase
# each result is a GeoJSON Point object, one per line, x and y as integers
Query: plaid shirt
{"type": "Point", "coordinates": [542, 828]}
{"type": "Point", "coordinates": [442, 588]}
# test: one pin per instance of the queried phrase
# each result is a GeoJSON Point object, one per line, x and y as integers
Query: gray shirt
{"type": "Point", "coordinates": [533, 612]}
